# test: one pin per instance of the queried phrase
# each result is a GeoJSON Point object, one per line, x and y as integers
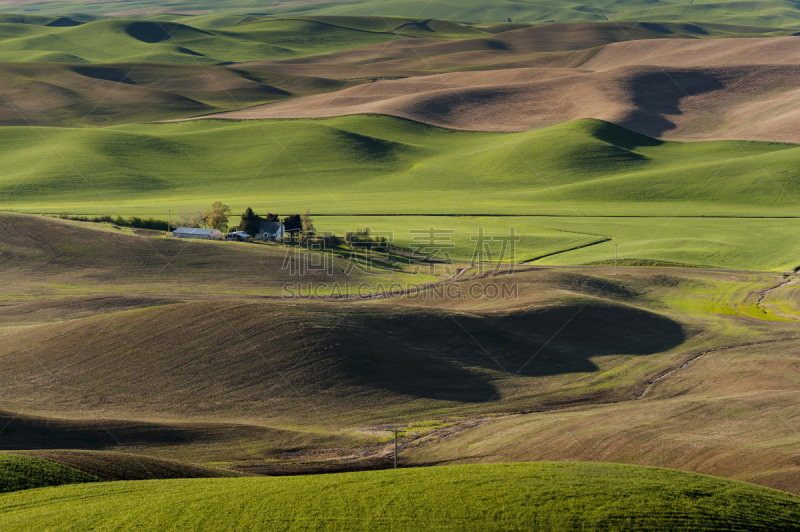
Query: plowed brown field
{"type": "Point", "coordinates": [680, 89]}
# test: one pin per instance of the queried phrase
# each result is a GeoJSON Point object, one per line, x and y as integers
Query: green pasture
{"type": "Point", "coordinates": [23, 473]}
{"type": "Point", "coordinates": [482, 239]}
{"type": "Point", "coordinates": [736, 243]}
{"type": "Point", "coordinates": [378, 165]}
{"type": "Point", "coordinates": [767, 244]}
{"type": "Point", "coordinates": [537, 496]}
{"type": "Point", "coordinates": [781, 13]}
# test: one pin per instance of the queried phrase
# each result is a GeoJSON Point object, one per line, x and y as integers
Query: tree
{"type": "Point", "coordinates": [307, 228]}
{"type": "Point", "coordinates": [217, 216]}
{"type": "Point", "coordinates": [190, 218]}
{"type": "Point", "coordinates": [307, 223]}
{"type": "Point", "coordinates": [251, 222]}
{"type": "Point", "coordinates": [271, 217]}
{"type": "Point", "coordinates": [292, 225]}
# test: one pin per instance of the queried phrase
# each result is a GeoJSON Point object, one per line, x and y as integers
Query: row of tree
{"type": "Point", "coordinates": [131, 221]}
{"type": "Point", "coordinates": [214, 218]}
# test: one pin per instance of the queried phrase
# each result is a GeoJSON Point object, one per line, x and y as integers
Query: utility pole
{"type": "Point", "coordinates": [169, 220]}
{"type": "Point", "coordinates": [615, 259]}
{"type": "Point", "coordinates": [395, 444]}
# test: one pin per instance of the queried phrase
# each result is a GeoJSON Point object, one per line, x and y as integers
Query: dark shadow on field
{"type": "Point", "coordinates": [29, 433]}
{"type": "Point", "coordinates": [659, 93]}
{"type": "Point", "coordinates": [441, 356]}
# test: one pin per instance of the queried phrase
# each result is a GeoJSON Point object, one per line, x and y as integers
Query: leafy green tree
{"type": "Point", "coordinates": [217, 216]}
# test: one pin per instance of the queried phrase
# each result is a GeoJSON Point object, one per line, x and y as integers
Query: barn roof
{"type": "Point", "coordinates": [194, 231]}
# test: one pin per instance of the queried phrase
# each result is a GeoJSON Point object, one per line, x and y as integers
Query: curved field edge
{"type": "Point", "coordinates": [25, 472]}
{"type": "Point", "coordinates": [112, 466]}
{"type": "Point", "coordinates": [552, 496]}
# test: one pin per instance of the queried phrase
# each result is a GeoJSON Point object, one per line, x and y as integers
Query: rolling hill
{"type": "Point", "coordinates": [684, 89]}
{"type": "Point", "coordinates": [352, 165]}
{"type": "Point", "coordinates": [499, 47]}
{"type": "Point", "coordinates": [24, 473]}
{"type": "Point", "coordinates": [760, 13]}
{"type": "Point", "coordinates": [105, 41]}
{"type": "Point", "coordinates": [38, 90]}
{"type": "Point", "coordinates": [564, 496]}
{"type": "Point", "coordinates": [52, 94]}
{"type": "Point", "coordinates": [211, 42]}
{"type": "Point", "coordinates": [100, 269]}
{"type": "Point", "coordinates": [115, 466]}
{"type": "Point", "coordinates": [190, 361]}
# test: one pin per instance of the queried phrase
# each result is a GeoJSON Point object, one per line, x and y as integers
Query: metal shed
{"type": "Point", "coordinates": [203, 234]}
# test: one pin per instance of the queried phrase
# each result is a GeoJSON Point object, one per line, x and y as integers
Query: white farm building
{"type": "Point", "coordinates": [203, 234]}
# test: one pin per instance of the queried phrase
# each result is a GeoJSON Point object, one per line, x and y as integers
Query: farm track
{"type": "Point", "coordinates": [695, 357]}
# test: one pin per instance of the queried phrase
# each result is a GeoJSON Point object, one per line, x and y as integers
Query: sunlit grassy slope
{"type": "Point", "coordinates": [717, 242]}
{"type": "Point", "coordinates": [566, 496]}
{"type": "Point", "coordinates": [764, 13]}
{"type": "Point", "coordinates": [24, 472]}
{"type": "Point", "coordinates": [383, 165]}
{"type": "Point", "coordinates": [201, 41]}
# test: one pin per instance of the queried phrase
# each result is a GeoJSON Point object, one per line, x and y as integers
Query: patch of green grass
{"type": "Point", "coordinates": [24, 473]}
{"type": "Point", "coordinates": [551, 496]}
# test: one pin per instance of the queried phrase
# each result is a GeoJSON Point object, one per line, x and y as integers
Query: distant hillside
{"type": "Point", "coordinates": [381, 165]}
{"type": "Point", "coordinates": [759, 13]}
{"type": "Point", "coordinates": [71, 95]}
{"type": "Point", "coordinates": [48, 82]}
{"type": "Point", "coordinates": [203, 42]}
{"type": "Point", "coordinates": [685, 89]}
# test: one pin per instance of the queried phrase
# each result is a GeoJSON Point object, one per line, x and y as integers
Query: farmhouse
{"type": "Point", "coordinates": [203, 234]}
{"type": "Point", "coordinates": [271, 231]}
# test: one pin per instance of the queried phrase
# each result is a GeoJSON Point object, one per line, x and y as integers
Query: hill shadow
{"type": "Point", "coordinates": [28, 433]}
{"type": "Point", "coordinates": [436, 355]}
{"type": "Point", "coordinates": [658, 94]}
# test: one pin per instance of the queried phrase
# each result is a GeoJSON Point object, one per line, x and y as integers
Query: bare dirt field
{"type": "Point", "coordinates": [679, 89]}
